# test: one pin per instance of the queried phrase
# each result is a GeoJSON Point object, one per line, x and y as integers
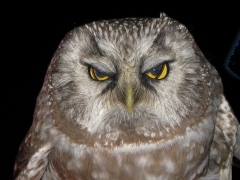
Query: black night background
{"type": "Point", "coordinates": [32, 33]}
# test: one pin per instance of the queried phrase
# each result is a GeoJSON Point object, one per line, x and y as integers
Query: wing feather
{"type": "Point", "coordinates": [237, 145]}
{"type": "Point", "coordinates": [32, 159]}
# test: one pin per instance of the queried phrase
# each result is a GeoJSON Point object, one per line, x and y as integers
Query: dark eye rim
{"type": "Point", "coordinates": [156, 78]}
{"type": "Point", "coordinates": [93, 75]}
{"type": "Point", "coordinates": [168, 62]}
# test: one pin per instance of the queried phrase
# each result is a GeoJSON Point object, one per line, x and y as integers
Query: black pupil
{"type": "Point", "coordinates": [99, 74]}
{"type": "Point", "coordinates": [156, 71]}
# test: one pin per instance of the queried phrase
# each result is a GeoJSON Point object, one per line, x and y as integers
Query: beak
{"type": "Point", "coordinates": [129, 98]}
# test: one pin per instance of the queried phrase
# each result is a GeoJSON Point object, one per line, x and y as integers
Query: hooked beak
{"type": "Point", "coordinates": [129, 98]}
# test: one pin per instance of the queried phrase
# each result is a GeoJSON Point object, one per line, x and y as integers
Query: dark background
{"type": "Point", "coordinates": [32, 32]}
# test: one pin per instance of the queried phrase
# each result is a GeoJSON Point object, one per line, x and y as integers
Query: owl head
{"type": "Point", "coordinates": [127, 76]}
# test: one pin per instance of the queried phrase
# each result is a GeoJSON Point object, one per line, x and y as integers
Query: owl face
{"type": "Point", "coordinates": [129, 76]}
{"type": "Point", "coordinates": [126, 96]}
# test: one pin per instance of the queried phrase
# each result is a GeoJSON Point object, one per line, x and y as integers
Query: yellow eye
{"type": "Point", "coordinates": [158, 72]}
{"type": "Point", "coordinates": [97, 75]}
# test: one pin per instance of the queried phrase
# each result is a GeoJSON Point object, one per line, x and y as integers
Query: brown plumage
{"type": "Point", "coordinates": [130, 99]}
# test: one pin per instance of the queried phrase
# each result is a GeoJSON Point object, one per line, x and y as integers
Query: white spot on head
{"type": "Point", "coordinates": [153, 135]}
{"type": "Point", "coordinates": [146, 134]}
{"type": "Point", "coordinates": [106, 143]}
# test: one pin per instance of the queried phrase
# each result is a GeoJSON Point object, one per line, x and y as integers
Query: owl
{"type": "Point", "coordinates": [130, 99]}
